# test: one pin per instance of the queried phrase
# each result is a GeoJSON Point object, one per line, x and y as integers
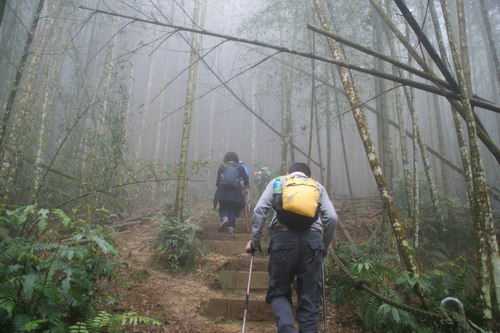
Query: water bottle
{"type": "Point", "coordinates": [277, 194]}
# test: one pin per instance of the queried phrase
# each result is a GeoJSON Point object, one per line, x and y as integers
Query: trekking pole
{"type": "Point", "coordinates": [248, 294]}
{"type": "Point", "coordinates": [325, 324]}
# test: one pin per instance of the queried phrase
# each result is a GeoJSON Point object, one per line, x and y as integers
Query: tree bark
{"type": "Point", "coordinates": [53, 80]}
{"type": "Point", "coordinates": [188, 111]}
{"type": "Point", "coordinates": [312, 102]}
{"type": "Point", "coordinates": [404, 249]}
{"type": "Point", "coordinates": [21, 69]}
{"type": "Point", "coordinates": [145, 108]}
{"type": "Point", "coordinates": [2, 9]}
{"type": "Point", "coordinates": [346, 162]}
{"type": "Point", "coordinates": [402, 135]}
{"type": "Point", "coordinates": [383, 130]}
{"type": "Point", "coordinates": [482, 211]}
{"type": "Point", "coordinates": [491, 40]}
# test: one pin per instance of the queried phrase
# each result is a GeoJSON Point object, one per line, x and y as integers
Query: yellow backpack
{"type": "Point", "coordinates": [300, 203]}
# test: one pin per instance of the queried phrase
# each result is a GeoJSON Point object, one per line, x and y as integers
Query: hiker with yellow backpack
{"type": "Point", "coordinates": [302, 229]}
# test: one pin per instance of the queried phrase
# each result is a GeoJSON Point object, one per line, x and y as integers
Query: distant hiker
{"type": "Point", "coordinates": [229, 194]}
{"type": "Point", "coordinates": [245, 167]}
{"type": "Point", "coordinates": [298, 244]}
{"type": "Point", "coordinates": [245, 188]}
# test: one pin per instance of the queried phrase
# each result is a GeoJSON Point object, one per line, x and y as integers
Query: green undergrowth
{"type": "Point", "coordinates": [378, 268]}
{"type": "Point", "coordinates": [51, 266]}
{"type": "Point", "coordinates": [177, 244]}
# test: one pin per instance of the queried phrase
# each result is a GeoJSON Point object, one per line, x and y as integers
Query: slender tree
{"type": "Point", "coordinates": [491, 40]}
{"type": "Point", "coordinates": [383, 130]}
{"type": "Point", "coordinates": [188, 111]}
{"type": "Point", "coordinates": [21, 70]}
{"type": "Point", "coordinates": [402, 137]}
{"type": "Point", "coordinates": [405, 251]}
{"type": "Point", "coordinates": [480, 203]}
{"type": "Point", "coordinates": [2, 9]}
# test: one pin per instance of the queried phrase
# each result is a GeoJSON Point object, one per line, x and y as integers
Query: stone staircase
{"type": "Point", "coordinates": [232, 274]}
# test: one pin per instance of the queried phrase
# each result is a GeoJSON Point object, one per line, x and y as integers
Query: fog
{"type": "Point", "coordinates": [102, 97]}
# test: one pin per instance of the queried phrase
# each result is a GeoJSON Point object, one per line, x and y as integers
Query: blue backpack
{"type": "Point", "coordinates": [230, 176]}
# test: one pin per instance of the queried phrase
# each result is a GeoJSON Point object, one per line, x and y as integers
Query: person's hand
{"type": "Point", "coordinates": [248, 247]}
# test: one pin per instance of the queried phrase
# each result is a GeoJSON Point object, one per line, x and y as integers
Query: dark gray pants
{"type": "Point", "coordinates": [295, 254]}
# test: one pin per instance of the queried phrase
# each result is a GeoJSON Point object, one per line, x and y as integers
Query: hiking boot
{"type": "Point", "coordinates": [230, 230]}
{"type": "Point", "coordinates": [223, 224]}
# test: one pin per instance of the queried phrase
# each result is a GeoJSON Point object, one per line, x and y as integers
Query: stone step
{"type": "Point", "coordinates": [226, 237]}
{"type": "Point", "coordinates": [228, 247]}
{"type": "Point", "coordinates": [216, 219]}
{"type": "Point", "coordinates": [233, 309]}
{"type": "Point", "coordinates": [239, 280]}
{"type": "Point", "coordinates": [239, 227]}
{"type": "Point", "coordinates": [243, 264]}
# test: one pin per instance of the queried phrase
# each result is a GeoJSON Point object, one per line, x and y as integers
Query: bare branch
{"type": "Point", "coordinates": [422, 86]}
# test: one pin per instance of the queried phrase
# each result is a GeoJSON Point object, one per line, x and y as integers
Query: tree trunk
{"type": "Point", "coordinates": [329, 149]}
{"type": "Point", "coordinates": [491, 40]}
{"type": "Point", "coordinates": [318, 140]}
{"type": "Point", "coordinates": [402, 139]}
{"type": "Point", "coordinates": [383, 130]}
{"type": "Point", "coordinates": [445, 171]}
{"type": "Point", "coordinates": [21, 69]}
{"type": "Point", "coordinates": [346, 160]}
{"type": "Point", "coordinates": [416, 183]}
{"type": "Point", "coordinates": [255, 149]}
{"type": "Point", "coordinates": [312, 102]}
{"type": "Point", "coordinates": [483, 135]}
{"type": "Point", "coordinates": [405, 251]}
{"type": "Point", "coordinates": [145, 108]}
{"type": "Point", "coordinates": [188, 111]}
{"type": "Point", "coordinates": [482, 211]}
{"type": "Point", "coordinates": [53, 80]}
{"type": "Point", "coordinates": [289, 116]}
{"type": "Point", "coordinates": [2, 9]}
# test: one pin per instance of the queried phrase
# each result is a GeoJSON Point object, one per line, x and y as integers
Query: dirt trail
{"type": "Point", "coordinates": [176, 301]}
{"type": "Point", "coordinates": [153, 292]}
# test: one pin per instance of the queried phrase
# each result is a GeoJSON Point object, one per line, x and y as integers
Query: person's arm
{"type": "Point", "coordinates": [259, 217]}
{"type": "Point", "coordinates": [329, 217]}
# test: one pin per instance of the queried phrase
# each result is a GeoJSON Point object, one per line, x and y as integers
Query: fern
{"type": "Point", "coordinates": [7, 300]}
{"type": "Point", "coordinates": [79, 328]}
{"type": "Point", "coordinates": [372, 264]}
{"type": "Point", "coordinates": [103, 320]}
{"type": "Point", "coordinates": [132, 318]}
{"type": "Point", "coordinates": [177, 244]}
{"type": "Point", "coordinates": [43, 283]}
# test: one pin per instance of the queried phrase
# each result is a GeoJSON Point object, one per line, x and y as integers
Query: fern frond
{"type": "Point", "coordinates": [79, 327]}
{"type": "Point", "coordinates": [102, 319]}
{"type": "Point", "coordinates": [8, 299]}
{"type": "Point", "coordinates": [132, 318]}
{"type": "Point", "coordinates": [44, 247]}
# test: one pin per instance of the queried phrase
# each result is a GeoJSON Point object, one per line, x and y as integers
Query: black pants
{"type": "Point", "coordinates": [295, 254]}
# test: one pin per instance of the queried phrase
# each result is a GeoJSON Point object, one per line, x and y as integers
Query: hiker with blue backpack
{"type": "Point", "coordinates": [302, 229]}
{"type": "Point", "coordinates": [231, 182]}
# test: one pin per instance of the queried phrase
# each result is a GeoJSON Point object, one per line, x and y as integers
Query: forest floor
{"type": "Point", "coordinates": [177, 300]}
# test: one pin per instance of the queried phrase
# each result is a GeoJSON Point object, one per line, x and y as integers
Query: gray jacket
{"type": "Point", "coordinates": [326, 222]}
